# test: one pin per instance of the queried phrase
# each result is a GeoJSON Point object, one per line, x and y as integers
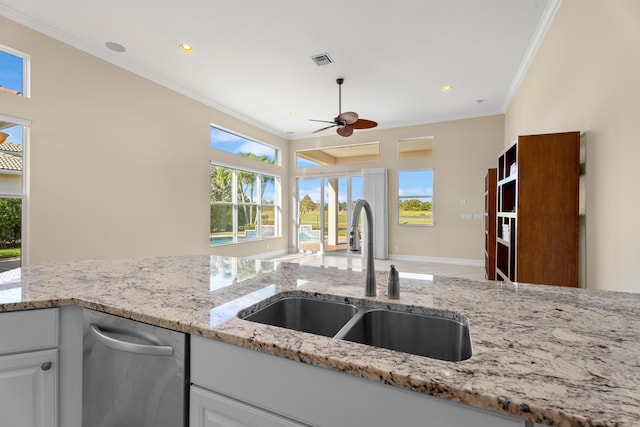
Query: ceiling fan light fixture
{"type": "Point", "coordinates": [345, 122]}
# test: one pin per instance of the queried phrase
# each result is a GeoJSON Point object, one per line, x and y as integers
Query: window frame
{"type": "Point", "coordinates": [26, 68]}
{"type": "Point", "coordinates": [235, 204]}
{"type": "Point", "coordinates": [277, 151]}
{"type": "Point", "coordinates": [417, 196]}
{"type": "Point", "coordinates": [24, 231]}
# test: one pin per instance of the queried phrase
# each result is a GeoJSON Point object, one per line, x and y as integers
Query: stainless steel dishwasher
{"type": "Point", "coordinates": [133, 374]}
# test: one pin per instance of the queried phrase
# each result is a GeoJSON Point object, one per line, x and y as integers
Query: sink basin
{"type": "Point", "coordinates": [306, 315]}
{"type": "Point", "coordinates": [424, 335]}
{"type": "Point", "coordinates": [439, 335]}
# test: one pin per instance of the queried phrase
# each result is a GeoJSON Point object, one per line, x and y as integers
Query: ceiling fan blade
{"type": "Point", "coordinates": [328, 127]}
{"type": "Point", "coordinates": [322, 121]}
{"type": "Point", "coordinates": [364, 124]}
{"type": "Point", "coordinates": [345, 131]}
{"type": "Point", "coordinates": [348, 118]}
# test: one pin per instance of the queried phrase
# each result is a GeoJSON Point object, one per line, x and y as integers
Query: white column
{"type": "Point", "coordinates": [374, 191]}
{"type": "Point", "coordinates": [332, 212]}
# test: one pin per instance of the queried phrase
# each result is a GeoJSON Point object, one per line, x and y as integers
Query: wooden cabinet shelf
{"type": "Point", "coordinates": [537, 190]}
{"type": "Point", "coordinates": [490, 181]}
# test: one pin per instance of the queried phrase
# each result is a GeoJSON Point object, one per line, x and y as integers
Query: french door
{"type": "Point", "coordinates": [325, 205]}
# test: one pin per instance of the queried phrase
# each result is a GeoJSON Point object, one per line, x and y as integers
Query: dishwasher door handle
{"type": "Point", "coordinates": [129, 347]}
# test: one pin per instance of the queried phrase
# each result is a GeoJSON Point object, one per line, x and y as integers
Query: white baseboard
{"type": "Point", "coordinates": [456, 261]}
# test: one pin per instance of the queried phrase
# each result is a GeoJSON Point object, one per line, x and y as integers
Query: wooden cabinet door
{"type": "Point", "coordinates": [209, 409]}
{"type": "Point", "coordinates": [28, 389]}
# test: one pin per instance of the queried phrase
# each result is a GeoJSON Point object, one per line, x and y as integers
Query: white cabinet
{"type": "Point", "coordinates": [208, 409]}
{"type": "Point", "coordinates": [29, 368]}
{"type": "Point", "coordinates": [321, 397]}
{"type": "Point", "coordinates": [28, 389]}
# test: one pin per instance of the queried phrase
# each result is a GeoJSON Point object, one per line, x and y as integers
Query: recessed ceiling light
{"type": "Point", "coordinates": [116, 47]}
{"type": "Point", "coordinates": [186, 47]}
{"type": "Point", "coordinates": [446, 89]}
{"type": "Point", "coordinates": [292, 113]}
{"type": "Point", "coordinates": [479, 101]}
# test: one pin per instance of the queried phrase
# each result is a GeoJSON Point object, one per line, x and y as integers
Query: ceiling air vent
{"type": "Point", "coordinates": [322, 59]}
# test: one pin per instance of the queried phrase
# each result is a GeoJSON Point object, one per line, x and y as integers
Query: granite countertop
{"type": "Point", "coordinates": [547, 354]}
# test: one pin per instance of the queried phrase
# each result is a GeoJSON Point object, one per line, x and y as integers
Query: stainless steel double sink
{"type": "Point", "coordinates": [438, 334]}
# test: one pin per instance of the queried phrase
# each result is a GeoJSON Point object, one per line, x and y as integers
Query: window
{"type": "Point", "coordinates": [415, 197]}
{"type": "Point", "coordinates": [12, 138]}
{"type": "Point", "coordinates": [341, 155]}
{"type": "Point", "coordinates": [244, 205]}
{"type": "Point", "coordinates": [14, 72]}
{"type": "Point", "coordinates": [234, 144]}
{"type": "Point", "coordinates": [415, 148]}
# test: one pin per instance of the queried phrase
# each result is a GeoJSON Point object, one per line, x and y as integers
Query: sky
{"type": "Point", "coordinates": [10, 71]}
{"type": "Point", "coordinates": [304, 163]}
{"type": "Point", "coordinates": [415, 183]}
{"type": "Point", "coordinates": [312, 188]}
{"type": "Point", "coordinates": [230, 143]}
{"type": "Point", "coordinates": [11, 77]}
{"type": "Point", "coordinates": [15, 134]}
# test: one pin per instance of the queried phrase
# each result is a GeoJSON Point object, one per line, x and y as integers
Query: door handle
{"type": "Point", "coordinates": [129, 347]}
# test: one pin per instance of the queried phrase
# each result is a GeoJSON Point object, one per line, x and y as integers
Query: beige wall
{"type": "Point", "coordinates": [463, 150]}
{"type": "Point", "coordinates": [11, 183]}
{"type": "Point", "coordinates": [119, 166]}
{"type": "Point", "coordinates": [585, 77]}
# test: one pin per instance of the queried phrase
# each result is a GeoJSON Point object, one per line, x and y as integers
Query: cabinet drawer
{"type": "Point", "coordinates": [28, 330]}
{"type": "Point", "coordinates": [208, 409]}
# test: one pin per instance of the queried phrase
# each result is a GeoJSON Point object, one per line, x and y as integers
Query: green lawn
{"type": "Point", "coordinates": [416, 217]}
{"type": "Point", "coordinates": [10, 253]}
{"type": "Point", "coordinates": [406, 217]}
{"type": "Point", "coordinates": [313, 218]}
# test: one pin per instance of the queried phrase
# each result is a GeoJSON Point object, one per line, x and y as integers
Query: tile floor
{"type": "Point", "coordinates": [472, 272]}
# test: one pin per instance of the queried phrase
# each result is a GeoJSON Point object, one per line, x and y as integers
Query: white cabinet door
{"type": "Point", "coordinates": [323, 397]}
{"type": "Point", "coordinates": [28, 389]}
{"type": "Point", "coordinates": [208, 409]}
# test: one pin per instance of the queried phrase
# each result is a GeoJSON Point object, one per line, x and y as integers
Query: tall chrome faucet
{"type": "Point", "coordinates": [370, 280]}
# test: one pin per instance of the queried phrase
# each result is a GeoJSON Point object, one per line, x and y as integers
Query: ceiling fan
{"type": "Point", "coordinates": [345, 122]}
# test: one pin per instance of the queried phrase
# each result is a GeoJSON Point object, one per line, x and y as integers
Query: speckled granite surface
{"type": "Point", "coordinates": [552, 355]}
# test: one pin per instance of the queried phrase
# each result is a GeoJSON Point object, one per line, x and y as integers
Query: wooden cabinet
{"type": "Point", "coordinates": [29, 374]}
{"type": "Point", "coordinates": [490, 189]}
{"type": "Point", "coordinates": [537, 210]}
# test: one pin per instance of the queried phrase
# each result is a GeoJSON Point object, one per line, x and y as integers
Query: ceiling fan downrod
{"type": "Point", "coordinates": [339, 81]}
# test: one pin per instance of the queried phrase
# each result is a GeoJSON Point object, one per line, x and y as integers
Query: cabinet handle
{"type": "Point", "coordinates": [129, 347]}
{"type": "Point", "coordinates": [45, 366]}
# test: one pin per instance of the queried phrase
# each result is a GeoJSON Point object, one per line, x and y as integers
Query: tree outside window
{"type": "Point", "coordinates": [243, 205]}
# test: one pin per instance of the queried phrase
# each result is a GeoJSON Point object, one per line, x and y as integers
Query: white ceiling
{"type": "Point", "coordinates": [251, 58]}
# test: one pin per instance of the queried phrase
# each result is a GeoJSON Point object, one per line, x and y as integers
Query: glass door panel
{"type": "Point", "coordinates": [309, 215]}
{"type": "Point", "coordinates": [336, 214]}
{"type": "Point", "coordinates": [324, 212]}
